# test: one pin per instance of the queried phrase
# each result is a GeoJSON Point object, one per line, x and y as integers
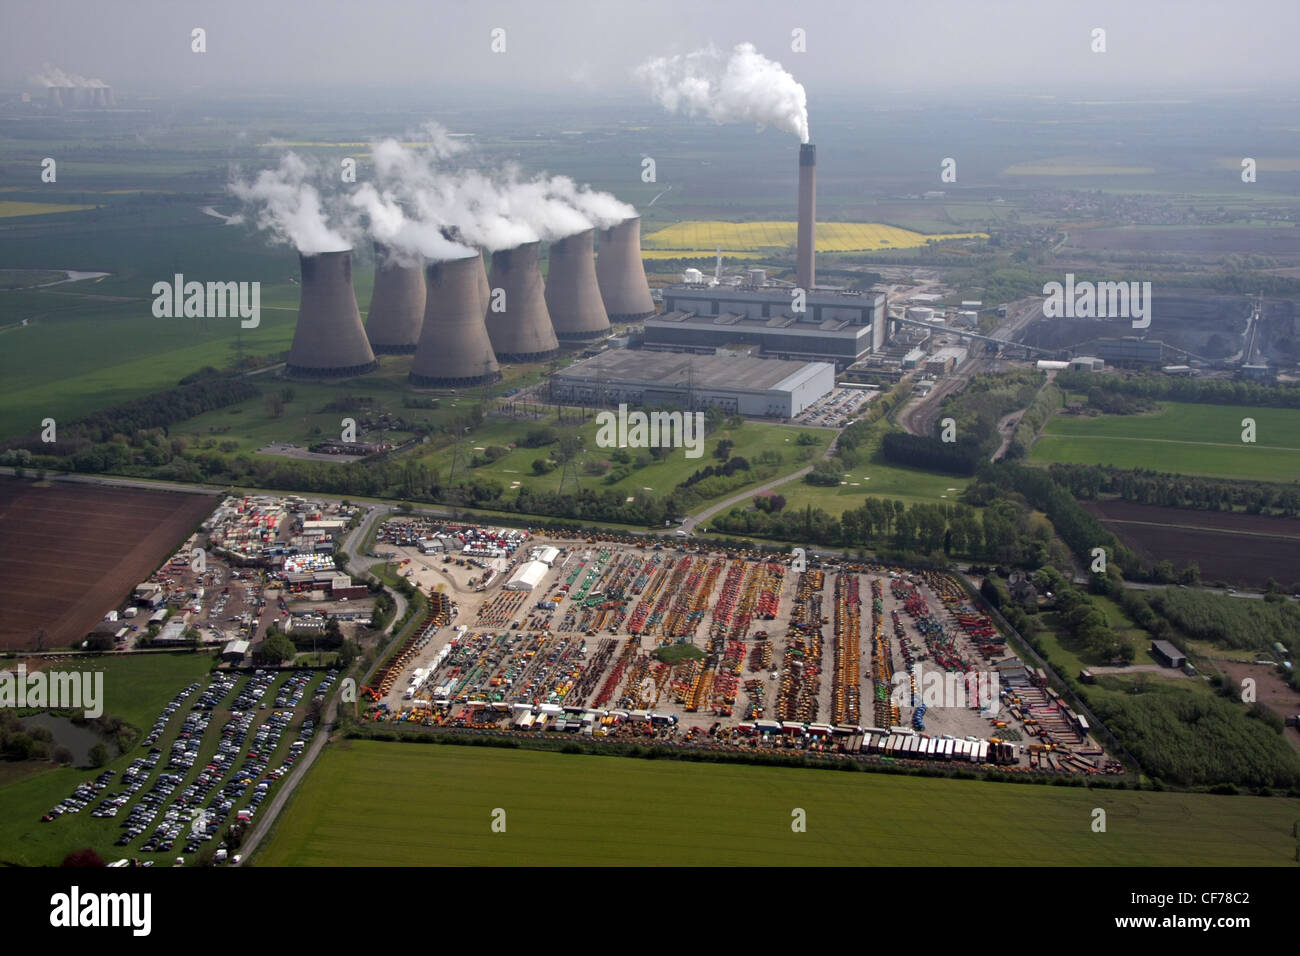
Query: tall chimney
{"type": "Point", "coordinates": [329, 340]}
{"type": "Point", "coordinates": [396, 306]}
{"type": "Point", "coordinates": [806, 255]}
{"type": "Point", "coordinates": [523, 331]}
{"type": "Point", "coordinates": [572, 294]}
{"type": "Point", "coordinates": [621, 273]}
{"type": "Point", "coordinates": [454, 349]}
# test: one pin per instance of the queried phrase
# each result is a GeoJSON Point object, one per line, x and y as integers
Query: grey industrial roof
{"type": "Point", "coordinates": [667, 369]}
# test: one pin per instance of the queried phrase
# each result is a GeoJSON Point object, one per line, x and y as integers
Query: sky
{"type": "Point", "coordinates": [868, 48]}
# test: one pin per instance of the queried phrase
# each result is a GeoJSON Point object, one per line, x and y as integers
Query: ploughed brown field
{"type": "Point", "coordinates": [70, 553]}
{"type": "Point", "coordinates": [1241, 549]}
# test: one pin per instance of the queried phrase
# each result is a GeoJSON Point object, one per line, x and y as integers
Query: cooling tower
{"type": "Point", "coordinates": [806, 254]}
{"type": "Point", "coordinates": [100, 96]}
{"type": "Point", "coordinates": [110, 98]}
{"type": "Point", "coordinates": [454, 349]}
{"type": "Point", "coordinates": [572, 294]}
{"type": "Point", "coordinates": [53, 97]}
{"type": "Point", "coordinates": [396, 306]}
{"type": "Point", "coordinates": [523, 331]}
{"type": "Point", "coordinates": [621, 274]}
{"type": "Point", "coordinates": [329, 340]}
{"type": "Point", "coordinates": [484, 289]}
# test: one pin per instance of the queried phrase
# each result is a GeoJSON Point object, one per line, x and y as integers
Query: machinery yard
{"type": "Point", "coordinates": [734, 650]}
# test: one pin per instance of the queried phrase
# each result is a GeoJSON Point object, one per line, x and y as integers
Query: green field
{"type": "Point", "coordinates": [1181, 437]}
{"type": "Point", "coordinates": [369, 803]}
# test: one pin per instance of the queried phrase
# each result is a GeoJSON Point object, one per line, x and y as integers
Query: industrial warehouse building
{"type": "Point", "coordinates": [528, 576]}
{"type": "Point", "coordinates": [836, 327]}
{"type": "Point", "coordinates": [741, 385]}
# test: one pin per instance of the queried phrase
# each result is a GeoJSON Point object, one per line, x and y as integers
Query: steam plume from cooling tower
{"type": "Point", "coordinates": [51, 75]}
{"type": "Point", "coordinates": [290, 208]}
{"type": "Point", "coordinates": [745, 86]}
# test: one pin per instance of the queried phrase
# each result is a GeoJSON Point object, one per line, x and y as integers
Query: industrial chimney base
{"type": "Point", "coordinates": [422, 381]}
{"type": "Point", "coordinates": [350, 372]}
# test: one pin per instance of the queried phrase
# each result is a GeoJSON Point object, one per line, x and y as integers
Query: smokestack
{"type": "Point", "coordinates": [621, 273]}
{"type": "Point", "coordinates": [329, 340]}
{"type": "Point", "coordinates": [523, 332]}
{"type": "Point", "coordinates": [572, 294]}
{"type": "Point", "coordinates": [454, 349]}
{"type": "Point", "coordinates": [806, 256]}
{"type": "Point", "coordinates": [397, 305]}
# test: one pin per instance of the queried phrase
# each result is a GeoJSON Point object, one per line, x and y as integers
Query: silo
{"type": "Point", "coordinates": [397, 304]}
{"type": "Point", "coordinates": [621, 274]}
{"type": "Point", "coordinates": [572, 293]}
{"type": "Point", "coordinates": [329, 340]}
{"type": "Point", "coordinates": [522, 331]}
{"type": "Point", "coordinates": [454, 349]}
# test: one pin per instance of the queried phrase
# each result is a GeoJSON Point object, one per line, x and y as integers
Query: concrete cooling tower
{"type": "Point", "coordinates": [454, 349]}
{"type": "Point", "coordinates": [54, 97]}
{"type": "Point", "coordinates": [523, 331]}
{"type": "Point", "coordinates": [572, 293]}
{"type": "Point", "coordinates": [397, 305]}
{"type": "Point", "coordinates": [621, 274]}
{"type": "Point", "coordinates": [329, 340]}
{"type": "Point", "coordinates": [806, 252]}
{"type": "Point", "coordinates": [484, 289]}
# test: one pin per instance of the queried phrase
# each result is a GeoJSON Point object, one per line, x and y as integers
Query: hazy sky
{"type": "Point", "coordinates": [855, 46]}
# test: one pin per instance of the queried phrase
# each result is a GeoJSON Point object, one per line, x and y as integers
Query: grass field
{"type": "Point", "coordinates": [1181, 437]}
{"type": "Point", "coordinates": [740, 238]}
{"type": "Point", "coordinates": [751, 440]}
{"type": "Point", "coordinates": [369, 803]}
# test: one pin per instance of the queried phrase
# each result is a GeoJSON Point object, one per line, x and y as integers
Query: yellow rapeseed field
{"type": "Point", "coordinates": [748, 240]}
{"type": "Point", "coordinates": [10, 209]}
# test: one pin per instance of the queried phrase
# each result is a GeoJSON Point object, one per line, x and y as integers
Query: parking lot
{"type": "Point", "coordinates": [838, 408]}
{"type": "Point", "coordinates": [213, 756]}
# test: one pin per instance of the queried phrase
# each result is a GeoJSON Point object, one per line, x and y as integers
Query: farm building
{"type": "Point", "coordinates": [1167, 654]}
{"type": "Point", "coordinates": [528, 576]}
{"type": "Point", "coordinates": [234, 651]}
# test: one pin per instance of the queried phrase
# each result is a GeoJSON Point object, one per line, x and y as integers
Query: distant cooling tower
{"type": "Point", "coordinates": [397, 305]}
{"type": "Point", "coordinates": [806, 254]}
{"type": "Point", "coordinates": [454, 349]}
{"type": "Point", "coordinates": [621, 274]}
{"type": "Point", "coordinates": [329, 340]}
{"type": "Point", "coordinates": [484, 288]}
{"type": "Point", "coordinates": [572, 293]}
{"type": "Point", "coordinates": [523, 331]}
{"type": "Point", "coordinates": [110, 98]}
{"type": "Point", "coordinates": [54, 97]}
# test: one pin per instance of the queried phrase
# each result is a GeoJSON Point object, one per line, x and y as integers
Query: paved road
{"type": "Point", "coordinates": [696, 519]}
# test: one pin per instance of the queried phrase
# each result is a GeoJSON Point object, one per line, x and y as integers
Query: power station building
{"type": "Point", "coordinates": [766, 388]}
{"type": "Point", "coordinates": [836, 327]}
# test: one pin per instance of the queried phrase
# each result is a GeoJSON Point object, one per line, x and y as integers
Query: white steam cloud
{"type": "Point", "coordinates": [290, 208]}
{"type": "Point", "coordinates": [51, 75]}
{"type": "Point", "coordinates": [745, 86]}
{"type": "Point", "coordinates": [416, 204]}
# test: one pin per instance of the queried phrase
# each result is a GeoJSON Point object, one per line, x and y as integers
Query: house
{"type": "Point", "coordinates": [1021, 589]}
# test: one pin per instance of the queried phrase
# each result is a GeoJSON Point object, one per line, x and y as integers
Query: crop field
{"type": "Point", "coordinates": [69, 553]}
{"type": "Point", "coordinates": [1244, 550]}
{"type": "Point", "coordinates": [1074, 166]}
{"type": "Point", "coordinates": [1181, 437]}
{"type": "Point", "coordinates": [747, 239]}
{"type": "Point", "coordinates": [368, 803]}
{"type": "Point", "coordinates": [8, 209]}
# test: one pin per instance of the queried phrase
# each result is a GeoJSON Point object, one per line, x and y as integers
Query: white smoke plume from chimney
{"type": "Point", "coordinates": [51, 75]}
{"type": "Point", "coordinates": [405, 237]}
{"type": "Point", "coordinates": [744, 86]}
{"type": "Point", "coordinates": [290, 208]}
